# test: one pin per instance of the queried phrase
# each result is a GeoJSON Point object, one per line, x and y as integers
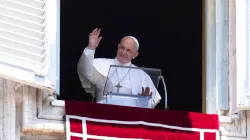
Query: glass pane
{"type": "Point", "coordinates": [124, 84]}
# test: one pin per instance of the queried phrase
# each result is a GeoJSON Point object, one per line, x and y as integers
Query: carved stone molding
{"type": "Point", "coordinates": [45, 108]}
{"type": "Point", "coordinates": [26, 113]}
{"type": "Point", "coordinates": [39, 117]}
{"type": "Point", "coordinates": [234, 128]}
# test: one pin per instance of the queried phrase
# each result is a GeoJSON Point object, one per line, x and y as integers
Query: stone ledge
{"type": "Point", "coordinates": [44, 128]}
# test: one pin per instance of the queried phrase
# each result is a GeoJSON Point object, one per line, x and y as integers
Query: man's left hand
{"type": "Point", "coordinates": [145, 92]}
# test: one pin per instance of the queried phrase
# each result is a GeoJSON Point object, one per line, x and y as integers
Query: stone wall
{"type": "Point", "coordinates": [28, 113]}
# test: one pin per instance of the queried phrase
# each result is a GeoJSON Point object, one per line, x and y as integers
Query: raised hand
{"type": "Point", "coordinates": [94, 39]}
{"type": "Point", "coordinates": [145, 92]}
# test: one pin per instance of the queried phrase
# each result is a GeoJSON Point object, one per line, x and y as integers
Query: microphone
{"type": "Point", "coordinates": [165, 90]}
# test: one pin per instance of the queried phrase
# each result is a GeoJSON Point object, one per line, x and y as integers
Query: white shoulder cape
{"type": "Point", "coordinates": [102, 66]}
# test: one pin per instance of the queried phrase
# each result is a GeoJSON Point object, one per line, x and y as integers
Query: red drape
{"type": "Point", "coordinates": [99, 121]}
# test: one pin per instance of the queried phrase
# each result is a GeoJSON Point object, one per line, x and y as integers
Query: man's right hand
{"type": "Point", "coordinates": [94, 39]}
{"type": "Point", "coordinates": [145, 92]}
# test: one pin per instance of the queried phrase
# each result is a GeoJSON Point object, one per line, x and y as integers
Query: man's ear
{"type": "Point", "coordinates": [135, 55]}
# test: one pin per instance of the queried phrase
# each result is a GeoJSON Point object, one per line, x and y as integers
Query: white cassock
{"type": "Point", "coordinates": [94, 72]}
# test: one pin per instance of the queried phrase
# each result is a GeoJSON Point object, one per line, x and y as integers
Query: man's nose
{"type": "Point", "coordinates": [124, 52]}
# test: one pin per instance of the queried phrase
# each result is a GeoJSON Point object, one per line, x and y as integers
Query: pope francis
{"type": "Point", "coordinates": [93, 72]}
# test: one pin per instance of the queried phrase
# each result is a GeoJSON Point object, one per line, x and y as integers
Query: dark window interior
{"type": "Point", "coordinates": [170, 37]}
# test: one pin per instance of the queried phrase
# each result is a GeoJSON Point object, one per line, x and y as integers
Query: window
{"type": "Point", "coordinates": [29, 42]}
{"type": "Point", "coordinates": [242, 53]}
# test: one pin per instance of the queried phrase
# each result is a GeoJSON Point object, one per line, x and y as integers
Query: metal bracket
{"type": "Point", "coordinates": [17, 86]}
{"type": "Point", "coordinates": [40, 73]}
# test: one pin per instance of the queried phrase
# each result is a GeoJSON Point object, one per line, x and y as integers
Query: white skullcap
{"type": "Point", "coordinates": [136, 41]}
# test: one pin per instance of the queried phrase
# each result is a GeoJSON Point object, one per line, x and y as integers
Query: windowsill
{"type": "Point", "coordinates": [225, 119]}
{"type": "Point", "coordinates": [58, 103]}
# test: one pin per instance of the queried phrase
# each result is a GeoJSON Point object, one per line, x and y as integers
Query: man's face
{"type": "Point", "coordinates": [126, 50]}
